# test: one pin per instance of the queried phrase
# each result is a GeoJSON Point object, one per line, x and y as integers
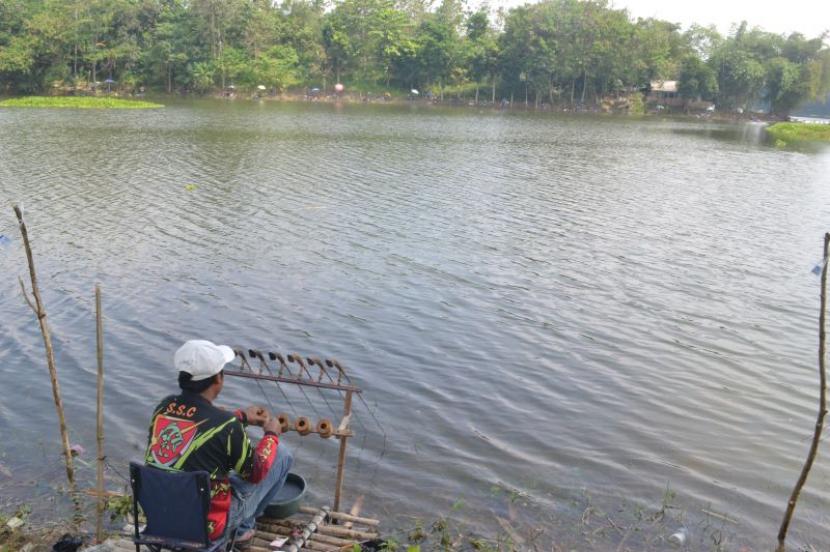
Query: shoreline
{"type": "Point", "coordinates": [360, 98]}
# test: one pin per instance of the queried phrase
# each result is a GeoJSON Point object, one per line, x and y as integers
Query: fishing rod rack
{"type": "Point", "coordinates": [310, 371]}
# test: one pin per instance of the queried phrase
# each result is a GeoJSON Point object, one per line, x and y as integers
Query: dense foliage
{"type": "Point", "coordinates": [570, 52]}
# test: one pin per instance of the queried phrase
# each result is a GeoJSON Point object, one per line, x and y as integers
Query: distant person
{"type": "Point", "coordinates": [189, 433]}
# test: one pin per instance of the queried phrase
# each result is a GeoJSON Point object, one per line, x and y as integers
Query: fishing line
{"type": "Point", "coordinates": [340, 392]}
{"type": "Point", "coordinates": [264, 364]}
{"type": "Point", "coordinates": [360, 397]}
{"type": "Point", "coordinates": [299, 360]}
{"type": "Point", "coordinates": [316, 362]}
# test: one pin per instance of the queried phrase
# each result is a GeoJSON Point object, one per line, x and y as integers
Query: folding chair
{"type": "Point", "coordinates": [176, 506]}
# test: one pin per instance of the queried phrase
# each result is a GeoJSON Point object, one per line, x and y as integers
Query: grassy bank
{"type": "Point", "coordinates": [789, 133]}
{"type": "Point", "coordinates": [77, 102]}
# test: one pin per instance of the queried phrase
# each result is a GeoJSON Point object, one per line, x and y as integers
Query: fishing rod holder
{"type": "Point", "coordinates": [312, 371]}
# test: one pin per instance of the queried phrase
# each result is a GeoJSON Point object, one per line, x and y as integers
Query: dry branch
{"type": "Point", "coordinates": [822, 408]}
{"type": "Point", "coordinates": [40, 312]}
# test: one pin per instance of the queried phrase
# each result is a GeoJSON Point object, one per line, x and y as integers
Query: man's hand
{"type": "Point", "coordinates": [272, 424]}
{"type": "Point", "coordinates": [257, 415]}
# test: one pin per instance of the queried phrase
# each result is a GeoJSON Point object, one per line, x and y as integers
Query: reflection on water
{"type": "Point", "coordinates": [568, 310]}
{"type": "Point", "coordinates": [751, 133]}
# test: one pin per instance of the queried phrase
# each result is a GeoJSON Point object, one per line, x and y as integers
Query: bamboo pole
{"type": "Point", "coordinates": [326, 539]}
{"type": "Point", "coordinates": [341, 456]}
{"type": "Point", "coordinates": [343, 516]}
{"type": "Point", "coordinates": [274, 531]}
{"type": "Point", "coordinates": [102, 500]}
{"type": "Point", "coordinates": [298, 543]}
{"type": "Point", "coordinates": [336, 531]}
{"type": "Point", "coordinates": [311, 544]}
{"type": "Point", "coordinates": [356, 507]}
{"type": "Point", "coordinates": [822, 402]}
{"type": "Point", "coordinates": [40, 312]}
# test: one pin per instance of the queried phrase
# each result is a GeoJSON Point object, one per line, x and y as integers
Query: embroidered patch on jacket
{"type": "Point", "coordinates": [171, 439]}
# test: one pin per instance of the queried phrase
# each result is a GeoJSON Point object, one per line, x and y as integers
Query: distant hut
{"type": "Point", "coordinates": [664, 93]}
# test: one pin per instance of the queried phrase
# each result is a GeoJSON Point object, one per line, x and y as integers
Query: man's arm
{"type": "Point", "coordinates": [253, 415]}
{"type": "Point", "coordinates": [253, 464]}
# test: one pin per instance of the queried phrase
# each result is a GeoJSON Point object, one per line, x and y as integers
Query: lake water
{"type": "Point", "coordinates": [557, 321]}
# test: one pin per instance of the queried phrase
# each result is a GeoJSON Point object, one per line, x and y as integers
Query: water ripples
{"type": "Point", "coordinates": [554, 304]}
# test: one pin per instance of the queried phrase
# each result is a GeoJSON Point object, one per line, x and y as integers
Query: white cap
{"type": "Point", "coordinates": [202, 359]}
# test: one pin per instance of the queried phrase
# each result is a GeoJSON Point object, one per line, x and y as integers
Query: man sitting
{"type": "Point", "coordinates": [189, 433]}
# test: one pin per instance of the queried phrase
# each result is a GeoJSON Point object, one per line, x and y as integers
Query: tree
{"type": "Point", "coordinates": [277, 68]}
{"type": "Point", "coordinates": [696, 80]}
{"type": "Point", "coordinates": [483, 51]}
{"type": "Point", "coordinates": [561, 51]}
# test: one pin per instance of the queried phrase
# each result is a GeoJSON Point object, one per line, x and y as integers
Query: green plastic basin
{"type": "Point", "coordinates": [288, 499]}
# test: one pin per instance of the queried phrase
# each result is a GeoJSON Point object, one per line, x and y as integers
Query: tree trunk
{"type": "Point", "coordinates": [550, 90]}
{"type": "Point", "coordinates": [75, 49]}
{"type": "Point", "coordinates": [213, 42]}
{"type": "Point", "coordinates": [169, 79]}
{"type": "Point", "coordinates": [476, 95]}
{"type": "Point", "coordinates": [494, 90]}
{"type": "Point", "coordinates": [573, 88]}
{"type": "Point", "coordinates": [584, 87]}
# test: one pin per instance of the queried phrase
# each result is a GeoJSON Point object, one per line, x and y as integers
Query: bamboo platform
{"type": "Point", "coordinates": [314, 530]}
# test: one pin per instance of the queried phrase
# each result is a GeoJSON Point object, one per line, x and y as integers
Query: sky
{"type": "Point", "coordinates": [809, 17]}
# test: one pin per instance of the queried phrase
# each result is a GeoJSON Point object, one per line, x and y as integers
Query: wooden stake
{"type": "Point", "coordinates": [356, 507]}
{"type": "Point", "coordinates": [40, 312]}
{"type": "Point", "coordinates": [822, 408]}
{"type": "Point", "coordinates": [341, 457]}
{"type": "Point", "coordinates": [99, 332]}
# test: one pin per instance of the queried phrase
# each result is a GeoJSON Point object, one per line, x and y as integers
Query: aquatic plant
{"type": "Point", "coordinates": [788, 133]}
{"type": "Point", "coordinates": [78, 102]}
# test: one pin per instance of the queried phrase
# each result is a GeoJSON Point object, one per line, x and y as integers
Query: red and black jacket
{"type": "Point", "coordinates": [188, 433]}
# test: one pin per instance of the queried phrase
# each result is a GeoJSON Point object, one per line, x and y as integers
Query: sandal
{"type": "Point", "coordinates": [245, 538]}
